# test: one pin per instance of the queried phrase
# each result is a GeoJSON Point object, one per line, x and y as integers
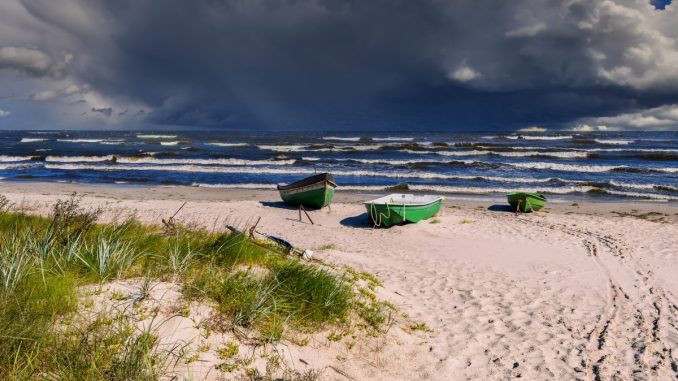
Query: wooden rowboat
{"type": "Point", "coordinates": [315, 191]}
{"type": "Point", "coordinates": [526, 202]}
{"type": "Point", "coordinates": [398, 208]}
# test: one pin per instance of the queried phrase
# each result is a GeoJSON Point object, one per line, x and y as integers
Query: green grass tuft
{"type": "Point", "coordinates": [44, 261]}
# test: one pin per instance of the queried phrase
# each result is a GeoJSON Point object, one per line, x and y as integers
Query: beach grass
{"type": "Point", "coordinates": [45, 262]}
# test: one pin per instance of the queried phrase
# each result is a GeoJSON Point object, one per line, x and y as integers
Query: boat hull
{"type": "Point", "coordinates": [314, 192]}
{"type": "Point", "coordinates": [394, 214]}
{"type": "Point", "coordinates": [526, 202]}
{"type": "Point", "coordinates": [317, 195]}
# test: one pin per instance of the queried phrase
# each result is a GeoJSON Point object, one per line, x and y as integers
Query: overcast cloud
{"type": "Point", "coordinates": [348, 64]}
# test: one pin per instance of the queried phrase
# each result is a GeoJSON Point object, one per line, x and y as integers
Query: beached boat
{"type": "Point", "coordinates": [526, 202]}
{"type": "Point", "coordinates": [315, 191]}
{"type": "Point", "coordinates": [399, 208]}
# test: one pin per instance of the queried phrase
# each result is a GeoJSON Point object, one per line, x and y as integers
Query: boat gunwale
{"type": "Point", "coordinates": [527, 194]}
{"type": "Point", "coordinates": [322, 183]}
{"type": "Point", "coordinates": [325, 178]}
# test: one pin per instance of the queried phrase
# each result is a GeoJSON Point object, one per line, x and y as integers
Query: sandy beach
{"type": "Point", "coordinates": [577, 291]}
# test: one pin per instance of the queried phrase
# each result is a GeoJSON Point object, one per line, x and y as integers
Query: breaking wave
{"type": "Point", "coordinates": [151, 136]}
{"type": "Point", "coordinates": [32, 140]}
{"type": "Point", "coordinates": [588, 168]}
{"type": "Point", "coordinates": [80, 140]}
{"type": "Point", "coordinates": [153, 160]}
{"type": "Point", "coordinates": [536, 137]}
{"type": "Point", "coordinates": [219, 144]}
{"type": "Point", "coordinates": [10, 159]}
{"type": "Point", "coordinates": [337, 138]}
{"type": "Point", "coordinates": [613, 141]}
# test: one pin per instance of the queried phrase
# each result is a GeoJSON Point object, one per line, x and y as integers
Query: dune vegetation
{"type": "Point", "coordinates": [47, 262]}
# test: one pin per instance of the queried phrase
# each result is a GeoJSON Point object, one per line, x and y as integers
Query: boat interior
{"type": "Point", "coordinates": [405, 199]}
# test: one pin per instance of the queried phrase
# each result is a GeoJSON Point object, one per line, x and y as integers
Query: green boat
{"type": "Point", "coordinates": [315, 191]}
{"type": "Point", "coordinates": [526, 202]}
{"type": "Point", "coordinates": [396, 209]}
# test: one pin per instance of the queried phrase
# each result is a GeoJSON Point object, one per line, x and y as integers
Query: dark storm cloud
{"type": "Point", "coordinates": [368, 64]}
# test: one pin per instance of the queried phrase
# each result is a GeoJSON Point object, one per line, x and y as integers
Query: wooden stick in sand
{"type": "Point", "coordinates": [301, 207]}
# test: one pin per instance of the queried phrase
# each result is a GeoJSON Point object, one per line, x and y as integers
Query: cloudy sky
{"type": "Point", "coordinates": [339, 64]}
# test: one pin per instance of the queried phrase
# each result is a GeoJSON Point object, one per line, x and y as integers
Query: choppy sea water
{"type": "Point", "coordinates": [611, 165]}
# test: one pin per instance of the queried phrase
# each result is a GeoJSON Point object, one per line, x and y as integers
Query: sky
{"type": "Point", "coordinates": [426, 65]}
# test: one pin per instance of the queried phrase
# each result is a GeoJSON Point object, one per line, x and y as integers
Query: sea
{"type": "Point", "coordinates": [564, 165]}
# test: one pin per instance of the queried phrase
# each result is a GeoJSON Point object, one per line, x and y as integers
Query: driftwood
{"type": "Point", "coordinates": [287, 247]}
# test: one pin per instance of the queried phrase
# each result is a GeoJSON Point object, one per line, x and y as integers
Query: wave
{"type": "Point", "coordinates": [112, 142]}
{"type": "Point", "coordinates": [218, 144]}
{"type": "Point", "coordinates": [420, 188]}
{"type": "Point", "coordinates": [151, 136]}
{"type": "Point", "coordinates": [19, 166]}
{"type": "Point", "coordinates": [393, 139]}
{"type": "Point", "coordinates": [78, 159]}
{"type": "Point", "coordinates": [10, 159]}
{"type": "Point", "coordinates": [173, 143]}
{"type": "Point", "coordinates": [308, 148]}
{"type": "Point", "coordinates": [644, 186]}
{"type": "Point", "coordinates": [301, 171]}
{"type": "Point", "coordinates": [283, 148]}
{"type": "Point", "coordinates": [153, 160]}
{"type": "Point", "coordinates": [588, 168]}
{"type": "Point", "coordinates": [351, 139]}
{"type": "Point", "coordinates": [652, 196]}
{"type": "Point", "coordinates": [613, 141]}
{"type": "Point", "coordinates": [537, 137]}
{"type": "Point", "coordinates": [416, 152]}
{"type": "Point", "coordinates": [555, 154]}
{"type": "Point", "coordinates": [80, 140]}
{"type": "Point", "coordinates": [459, 153]}
{"type": "Point", "coordinates": [235, 186]}
{"type": "Point", "coordinates": [32, 140]}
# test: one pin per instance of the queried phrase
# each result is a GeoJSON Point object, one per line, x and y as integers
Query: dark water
{"type": "Point", "coordinates": [611, 165]}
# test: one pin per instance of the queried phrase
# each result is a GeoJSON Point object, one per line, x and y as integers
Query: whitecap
{"type": "Point", "coordinates": [80, 140]}
{"type": "Point", "coordinates": [112, 142]}
{"type": "Point", "coordinates": [652, 196]}
{"type": "Point", "coordinates": [337, 138]}
{"type": "Point", "coordinates": [163, 161]}
{"type": "Point", "coordinates": [283, 148]}
{"type": "Point", "coordinates": [614, 141]}
{"type": "Point", "coordinates": [393, 139]}
{"type": "Point", "coordinates": [536, 137]}
{"type": "Point", "coordinates": [78, 159]}
{"type": "Point", "coordinates": [32, 140]}
{"type": "Point", "coordinates": [10, 159]}
{"type": "Point", "coordinates": [151, 136]}
{"type": "Point", "coordinates": [219, 144]}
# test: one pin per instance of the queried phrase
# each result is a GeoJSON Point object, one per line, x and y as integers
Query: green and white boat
{"type": "Point", "coordinates": [398, 208]}
{"type": "Point", "coordinates": [315, 191]}
{"type": "Point", "coordinates": [526, 202]}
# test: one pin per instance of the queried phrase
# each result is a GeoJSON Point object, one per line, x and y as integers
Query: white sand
{"type": "Point", "coordinates": [576, 292]}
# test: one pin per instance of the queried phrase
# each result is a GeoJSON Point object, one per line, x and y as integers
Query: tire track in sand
{"type": "Point", "coordinates": [636, 324]}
